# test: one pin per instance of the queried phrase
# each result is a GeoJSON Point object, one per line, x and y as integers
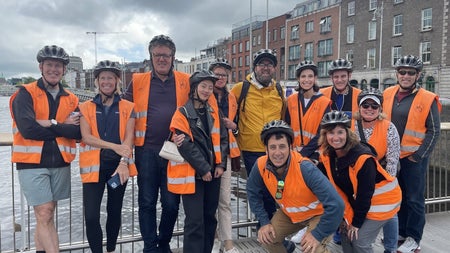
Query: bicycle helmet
{"type": "Point", "coordinates": [162, 40]}
{"type": "Point", "coordinates": [370, 93]}
{"type": "Point", "coordinates": [335, 117]}
{"type": "Point", "coordinates": [276, 126]}
{"type": "Point", "coordinates": [305, 65]}
{"type": "Point", "coordinates": [265, 53]}
{"type": "Point", "coordinates": [107, 66]}
{"type": "Point", "coordinates": [340, 64]}
{"type": "Point", "coordinates": [220, 62]}
{"type": "Point", "coordinates": [409, 61]}
{"type": "Point", "coordinates": [53, 52]}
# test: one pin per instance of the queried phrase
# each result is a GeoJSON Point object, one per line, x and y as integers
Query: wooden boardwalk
{"type": "Point", "coordinates": [435, 239]}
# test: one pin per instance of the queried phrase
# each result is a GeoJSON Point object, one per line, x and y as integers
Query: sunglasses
{"type": "Point", "coordinates": [367, 105]}
{"type": "Point", "coordinates": [409, 72]}
{"type": "Point", "coordinates": [280, 188]}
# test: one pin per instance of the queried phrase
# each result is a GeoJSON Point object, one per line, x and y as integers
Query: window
{"type": "Point", "coordinates": [372, 30]}
{"type": "Point", "coordinates": [240, 61]}
{"type": "Point", "coordinates": [240, 47]}
{"type": "Point", "coordinates": [247, 60]}
{"type": "Point", "coordinates": [325, 47]}
{"type": "Point", "coordinates": [234, 62]}
{"type": "Point", "coordinates": [373, 4]}
{"type": "Point", "coordinates": [350, 33]}
{"type": "Point", "coordinates": [247, 45]}
{"type": "Point", "coordinates": [398, 1]}
{"type": "Point", "coordinates": [325, 24]}
{"type": "Point", "coordinates": [309, 51]}
{"type": "Point", "coordinates": [371, 58]}
{"type": "Point", "coordinates": [309, 26]}
{"type": "Point", "coordinates": [427, 19]}
{"type": "Point", "coordinates": [294, 32]}
{"type": "Point", "coordinates": [294, 52]}
{"type": "Point", "coordinates": [291, 71]}
{"type": "Point", "coordinates": [398, 25]}
{"type": "Point", "coordinates": [396, 54]}
{"type": "Point", "coordinates": [282, 32]}
{"type": "Point", "coordinates": [349, 56]}
{"type": "Point", "coordinates": [322, 68]}
{"type": "Point", "coordinates": [275, 34]}
{"type": "Point", "coordinates": [254, 41]}
{"type": "Point", "coordinates": [351, 8]}
{"type": "Point", "coordinates": [259, 39]}
{"type": "Point", "coordinates": [425, 51]}
{"type": "Point", "coordinates": [234, 48]}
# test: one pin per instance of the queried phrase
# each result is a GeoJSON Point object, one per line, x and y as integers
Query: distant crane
{"type": "Point", "coordinates": [95, 40]}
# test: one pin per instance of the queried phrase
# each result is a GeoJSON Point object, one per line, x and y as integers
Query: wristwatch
{"type": "Point", "coordinates": [54, 122]}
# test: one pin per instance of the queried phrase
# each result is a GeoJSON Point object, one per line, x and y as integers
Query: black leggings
{"type": "Point", "coordinates": [92, 200]}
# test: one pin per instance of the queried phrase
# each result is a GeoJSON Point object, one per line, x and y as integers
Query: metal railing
{"type": "Point", "coordinates": [18, 226]}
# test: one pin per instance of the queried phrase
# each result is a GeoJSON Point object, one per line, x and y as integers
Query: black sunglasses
{"type": "Point", "coordinates": [367, 105]}
{"type": "Point", "coordinates": [409, 72]}
{"type": "Point", "coordinates": [280, 188]}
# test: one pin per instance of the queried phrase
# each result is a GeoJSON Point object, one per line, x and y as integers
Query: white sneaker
{"type": "Point", "coordinates": [410, 245]}
{"type": "Point", "coordinates": [232, 250]}
{"type": "Point", "coordinates": [216, 246]}
{"type": "Point", "coordinates": [297, 238]}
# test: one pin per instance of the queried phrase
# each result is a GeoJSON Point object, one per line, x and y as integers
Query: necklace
{"type": "Point", "coordinates": [201, 111]}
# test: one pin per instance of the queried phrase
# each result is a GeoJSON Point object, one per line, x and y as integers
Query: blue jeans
{"type": "Point", "coordinates": [411, 217]}
{"type": "Point", "coordinates": [152, 180]}
{"type": "Point", "coordinates": [390, 234]}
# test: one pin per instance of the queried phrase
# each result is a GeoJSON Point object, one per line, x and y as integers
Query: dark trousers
{"type": "Point", "coordinates": [200, 222]}
{"type": "Point", "coordinates": [92, 200]}
{"type": "Point", "coordinates": [152, 181]}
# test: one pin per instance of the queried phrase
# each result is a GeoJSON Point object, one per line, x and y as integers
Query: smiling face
{"type": "Point", "coordinates": [278, 150]}
{"type": "Point", "coordinates": [264, 71]}
{"type": "Point", "coordinates": [107, 82]}
{"type": "Point", "coordinates": [407, 78]}
{"type": "Point", "coordinates": [307, 79]}
{"type": "Point", "coordinates": [337, 137]}
{"type": "Point", "coordinates": [369, 110]}
{"type": "Point", "coordinates": [222, 74]}
{"type": "Point", "coordinates": [52, 70]}
{"type": "Point", "coordinates": [340, 79]}
{"type": "Point", "coordinates": [204, 90]}
{"type": "Point", "coordinates": [162, 58]}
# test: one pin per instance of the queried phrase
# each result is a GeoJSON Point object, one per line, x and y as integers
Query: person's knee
{"type": "Point", "coordinates": [45, 213]}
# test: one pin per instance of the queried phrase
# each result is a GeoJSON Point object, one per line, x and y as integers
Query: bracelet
{"type": "Point", "coordinates": [124, 160]}
{"type": "Point", "coordinates": [123, 163]}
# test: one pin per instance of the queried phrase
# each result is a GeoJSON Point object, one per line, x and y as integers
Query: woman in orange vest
{"type": "Point", "coordinates": [107, 128]}
{"type": "Point", "coordinates": [306, 109]}
{"type": "Point", "coordinates": [371, 195]}
{"type": "Point", "coordinates": [371, 127]}
{"type": "Point", "coordinates": [205, 149]}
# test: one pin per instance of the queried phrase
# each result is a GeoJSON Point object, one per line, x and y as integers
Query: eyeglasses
{"type": "Point", "coordinates": [163, 56]}
{"type": "Point", "coordinates": [409, 72]}
{"type": "Point", "coordinates": [280, 188]}
{"type": "Point", "coordinates": [367, 105]}
{"type": "Point", "coordinates": [262, 65]}
{"type": "Point", "coordinates": [221, 75]}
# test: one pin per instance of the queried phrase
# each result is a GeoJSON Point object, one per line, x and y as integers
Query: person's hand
{"type": "Point", "coordinates": [309, 243]}
{"type": "Point", "coordinates": [218, 172]}
{"type": "Point", "coordinates": [122, 170]}
{"type": "Point", "coordinates": [207, 177]}
{"type": "Point", "coordinates": [412, 159]}
{"type": "Point", "coordinates": [266, 234]}
{"type": "Point", "coordinates": [44, 122]}
{"type": "Point", "coordinates": [352, 232]}
{"type": "Point", "coordinates": [123, 150]}
{"type": "Point", "coordinates": [73, 119]}
{"type": "Point", "coordinates": [229, 124]}
{"type": "Point", "coordinates": [178, 139]}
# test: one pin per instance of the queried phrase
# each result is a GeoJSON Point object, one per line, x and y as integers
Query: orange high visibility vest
{"type": "Point", "coordinates": [232, 109]}
{"type": "Point", "coordinates": [89, 155]}
{"type": "Point", "coordinates": [181, 176]}
{"type": "Point", "coordinates": [298, 202]}
{"type": "Point", "coordinates": [355, 92]}
{"type": "Point", "coordinates": [415, 128]}
{"type": "Point", "coordinates": [386, 198]}
{"type": "Point", "coordinates": [29, 151]}
{"type": "Point", "coordinates": [310, 120]}
{"type": "Point", "coordinates": [141, 92]}
{"type": "Point", "coordinates": [378, 140]}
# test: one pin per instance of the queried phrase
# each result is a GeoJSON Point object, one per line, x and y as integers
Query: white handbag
{"type": "Point", "coordinates": [170, 152]}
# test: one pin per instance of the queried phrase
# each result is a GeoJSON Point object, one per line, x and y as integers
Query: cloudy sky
{"type": "Point", "coordinates": [123, 28]}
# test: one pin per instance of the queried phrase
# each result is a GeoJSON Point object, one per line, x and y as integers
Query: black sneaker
{"type": "Point", "coordinates": [290, 246]}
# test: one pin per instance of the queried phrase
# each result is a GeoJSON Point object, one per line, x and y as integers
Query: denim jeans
{"type": "Point", "coordinates": [390, 234]}
{"type": "Point", "coordinates": [152, 180]}
{"type": "Point", "coordinates": [411, 217]}
{"type": "Point", "coordinates": [366, 237]}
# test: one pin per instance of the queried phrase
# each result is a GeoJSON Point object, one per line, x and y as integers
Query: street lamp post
{"type": "Point", "coordinates": [379, 13]}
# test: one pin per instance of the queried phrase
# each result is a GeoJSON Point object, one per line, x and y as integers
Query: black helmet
{"type": "Point", "coordinates": [335, 117]}
{"type": "Point", "coordinates": [409, 61]}
{"type": "Point", "coordinates": [220, 62]}
{"type": "Point", "coordinates": [305, 65]}
{"type": "Point", "coordinates": [201, 75]}
{"type": "Point", "coordinates": [162, 40]}
{"type": "Point", "coordinates": [107, 66]}
{"type": "Point", "coordinates": [340, 64]}
{"type": "Point", "coordinates": [53, 52]}
{"type": "Point", "coordinates": [276, 126]}
{"type": "Point", "coordinates": [265, 53]}
{"type": "Point", "coordinates": [371, 93]}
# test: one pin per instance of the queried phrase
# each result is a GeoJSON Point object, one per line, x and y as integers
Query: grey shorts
{"type": "Point", "coordinates": [43, 185]}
